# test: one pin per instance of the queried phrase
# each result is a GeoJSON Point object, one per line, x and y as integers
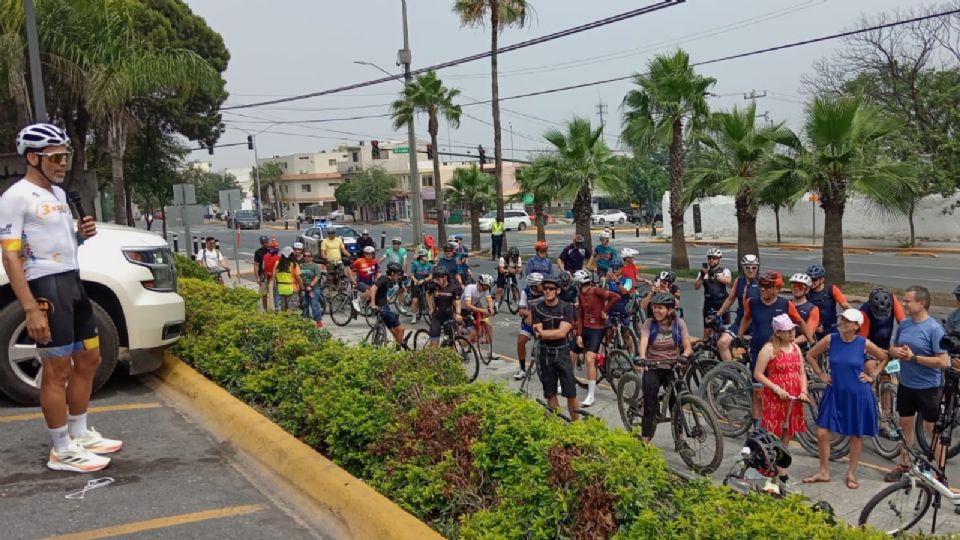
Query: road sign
{"type": "Point", "coordinates": [813, 197]}
{"type": "Point", "coordinates": [528, 199]}
{"type": "Point", "coordinates": [401, 150]}
{"type": "Point", "coordinates": [184, 194]}
{"type": "Point", "coordinates": [230, 199]}
{"type": "Point", "coordinates": [176, 214]}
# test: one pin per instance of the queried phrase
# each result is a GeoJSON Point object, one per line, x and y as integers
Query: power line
{"type": "Point", "coordinates": [479, 56]}
{"type": "Point", "coordinates": [317, 120]}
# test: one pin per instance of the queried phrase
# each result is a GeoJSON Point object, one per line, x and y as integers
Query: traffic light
{"type": "Point", "coordinates": [249, 142]}
{"type": "Point", "coordinates": [375, 149]}
{"type": "Point", "coordinates": [429, 151]}
{"type": "Point", "coordinates": [483, 155]}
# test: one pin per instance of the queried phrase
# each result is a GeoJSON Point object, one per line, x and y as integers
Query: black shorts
{"type": "Point", "coordinates": [925, 401]}
{"type": "Point", "coordinates": [390, 319]}
{"type": "Point", "coordinates": [503, 279]}
{"type": "Point", "coordinates": [555, 366]}
{"type": "Point", "coordinates": [712, 309]}
{"type": "Point", "coordinates": [69, 313]}
{"type": "Point", "coordinates": [592, 338]}
{"type": "Point", "coordinates": [436, 323]}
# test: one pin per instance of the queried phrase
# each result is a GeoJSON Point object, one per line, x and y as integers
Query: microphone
{"type": "Point", "coordinates": [74, 197]}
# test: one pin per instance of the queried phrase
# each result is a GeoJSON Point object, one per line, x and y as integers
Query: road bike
{"type": "Point", "coordinates": [451, 336]}
{"type": "Point", "coordinates": [511, 295]}
{"type": "Point", "coordinates": [696, 432]}
{"type": "Point", "coordinates": [399, 296]}
{"type": "Point", "coordinates": [484, 339]}
{"type": "Point", "coordinates": [423, 310]}
{"type": "Point", "coordinates": [342, 310]}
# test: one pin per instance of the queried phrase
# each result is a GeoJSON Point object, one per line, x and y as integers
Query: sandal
{"type": "Point", "coordinates": [852, 483]}
{"type": "Point", "coordinates": [815, 479]}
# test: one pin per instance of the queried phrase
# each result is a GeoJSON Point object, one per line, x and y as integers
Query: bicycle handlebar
{"type": "Point", "coordinates": [671, 363]}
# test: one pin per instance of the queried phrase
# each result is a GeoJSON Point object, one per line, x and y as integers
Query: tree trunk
{"type": "Point", "coordinates": [21, 100]}
{"type": "Point", "coordinates": [746, 226]}
{"type": "Point", "coordinates": [776, 219]}
{"type": "Point", "coordinates": [128, 195]}
{"type": "Point", "coordinates": [163, 212]}
{"type": "Point", "coordinates": [79, 176]}
{"type": "Point", "coordinates": [116, 143]}
{"type": "Point", "coordinates": [437, 184]}
{"type": "Point", "coordinates": [495, 102]}
{"type": "Point", "coordinates": [913, 230]}
{"type": "Point", "coordinates": [678, 256]}
{"type": "Point", "coordinates": [541, 221]}
{"type": "Point", "coordinates": [475, 212]}
{"type": "Point", "coordinates": [833, 259]}
{"type": "Point", "coordinates": [581, 215]}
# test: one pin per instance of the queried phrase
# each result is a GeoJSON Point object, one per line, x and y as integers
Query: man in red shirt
{"type": "Point", "coordinates": [592, 310]}
{"type": "Point", "coordinates": [365, 271]}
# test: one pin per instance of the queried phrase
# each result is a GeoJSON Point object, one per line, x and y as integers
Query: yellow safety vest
{"type": "Point", "coordinates": [497, 228]}
{"type": "Point", "coordinates": [285, 283]}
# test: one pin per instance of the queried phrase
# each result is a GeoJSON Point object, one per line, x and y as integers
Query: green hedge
{"type": "Point", "coordinates": [474, 461]}
{"type": "Point", "coordinates": [188, 268]}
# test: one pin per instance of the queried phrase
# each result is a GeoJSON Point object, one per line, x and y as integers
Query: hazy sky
{"type": "Point", "coordinates": [288, 47]}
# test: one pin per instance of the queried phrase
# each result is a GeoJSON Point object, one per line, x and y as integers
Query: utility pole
{"type": "Point", "coordinates": [256, 171]}
{"type": "Point", "coordinates": [512, 156]}
{"type": "Point", "coordinates": [753, 96]}
{"type": "Point", "coordinates": [36, 75]}
{"type": "Point", "coordinates": [601, 111]}
{"type": "Point", "coordinates": [404, 57]}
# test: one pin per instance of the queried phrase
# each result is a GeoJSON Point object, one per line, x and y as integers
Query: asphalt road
{"type": "Point", "coordinates": [939, 274]}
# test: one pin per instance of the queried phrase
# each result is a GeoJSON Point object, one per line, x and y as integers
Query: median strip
{"type": "Point", "coordinates": [161, 523]}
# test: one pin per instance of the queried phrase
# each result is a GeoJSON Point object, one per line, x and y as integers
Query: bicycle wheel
{"type": "Point", "coordinates": [469, 359]}
{"type": "Point", "coordinates": [512, 295]}
{"type": "Point", "coordinates": [369, 315]}
{"type": "Point", "coordinates": [897, 507]}
{"type": "Point", "coordinates": [627, 339]}
{"type": "Point", "coordinates": [617, 365]}
{"type": "Point", "coordinates": [630, 399]}
{"type": "Point", "coordinates": [421, 340]}
{"type": "Point", "coordinates": [729, 397]}
{"type": "Point", "coordinates": [485, 345]}
{"type": "Point", "coordinates": [376, 337]}
{"type": "Point", "coordinates": [580, 371]}
{"type": "Point", "coordinates": [341, 309]}
{"type": "Point", "coordinates": [696, 434]}
{"type": "Point", "coordinates": [923, 440]}
{"type": "Point", "coordinates": [703, 362]}
{"type": "Point", "coordinates": [884, 445]}
{"type": "Point", "coordinates": [532, 374]}
{"type": "Point", "coordinates": [839, 444]}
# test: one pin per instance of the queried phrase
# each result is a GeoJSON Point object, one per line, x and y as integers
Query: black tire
{"type": "Point", "coordinates": [469, 358]}
{"type": "Point", "coordinates": [617, 364]}
{"type": "Point", "coordinates": [924, 443]}
{"type": "Point", "coordinates": [521, 226]}
{"type": "Point", "coordinates": [620, 221]}
{"type": "Point", "coordinates": [369, 314]}
{"type": "Point", "coordinates": [630, 400]}
{"type": "Point", "coordinates": [702, 448]}
{"type": "Point", "coordinates": [703, 362]}
{"type": "Point", "coordinates": [729, 397]}
{"type": "Point", "coordinates": [485, 347]}
{"type": "Point", "coordinates": [421, 340]}
{"type": "Point", "coordinates": [904, 505]}
{"type": "Point", "coordinates": [374, 338]}
{"type": "Point", "coordinates": [839, 444]}
{"type": "Point", "coordinates": [884, 446]}
{"type": "Point", "coordinates": [20, 383]}
{"type": "Point", "coordinates": [581, 373]}
{"type": "Point", "coordinates": [341, 309]}
{"type": "Point", "coordinates": [512, 294]}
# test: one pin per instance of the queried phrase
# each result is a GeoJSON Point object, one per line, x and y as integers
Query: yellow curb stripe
{"type": "Point", "coordinates": [161, 523]}
{"type": "Point", "coordinates": [104, 408]}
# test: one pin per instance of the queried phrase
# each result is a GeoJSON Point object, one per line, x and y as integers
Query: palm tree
{"type": "Point", "coordinates": [669, 94]}
{"type": "Point", "coordinates": [427, 94]}
{"type": "Point", "coordinates": [736, 150]}
{"type": "Point", "coordinates": [780, 195]}
{"type": "Point", "coordinates": [581, 163]}
{"type": "Point", "coordinates": [541, 180]}
{"type": "Point", "coordinates": [270, 174]}
{"type": "Point", "coordinates": [838, 154]}
{"type": "Point", "coordinates": [13, 77]}
{"type": "Point", "coordinates": [500, 14]}
{"type": "Point", "coordinates": [473, 189]}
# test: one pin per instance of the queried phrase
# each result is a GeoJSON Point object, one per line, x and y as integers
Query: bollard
{"type": "Point", "coordinates": [383, 239]}
{"type": "Point", "coordinates": [638, 231]}
{"type": "Point", "coordinates": [176, 246]}
{"type": "Point", "coordinates": [613, 233]}
{"type": "Point", "coordinates": [196, 247]}
{"type": "Point", "coordinates": [286, 225]}
{"type": "Point", "coordinates": [298, 224]}
{"type": "Point", "coordinates": [216, 244]}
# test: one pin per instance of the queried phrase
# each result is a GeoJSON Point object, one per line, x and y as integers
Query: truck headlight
{"type": "Point", "coordinates": [159, 260]}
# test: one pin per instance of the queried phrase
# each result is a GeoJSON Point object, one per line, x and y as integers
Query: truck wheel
{"type": "Point", "coordinates": [20, 365]}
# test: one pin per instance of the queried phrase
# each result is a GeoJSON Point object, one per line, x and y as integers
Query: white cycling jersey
{"type": "Point", "coordinates": [38, 223]}
{"type": "Point", "coordinates": [473, 295]}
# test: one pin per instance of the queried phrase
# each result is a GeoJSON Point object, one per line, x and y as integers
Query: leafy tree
{"type": "Point", "coordinates": [13, 76]}
{"type": "Point", "coordinates": [669, 95]}
{"type": "Point", "coordinates": [375, 189]}
{"type": "Point", "coordinates": [541, 180]}
{"type": "Point", "coordinates": [427, 94]}
{"type": "Point", "coordinates": [270, 173]}
{"type": "Point", "coordinates": [153, 164]}
{"type": "Point", "coordinates": [646, 181]}
{"type": "Point", "coordinates": [582, 162]}
{"type": "Point", "coordinates": [736, 150]}
{"type": "Point", "coordinates": [347, 197]}
{"type": "Point", "coordinates": [499, 14]}
{"type": "Point", "coordinates": [473, 189]}
{"type": "Point", "coordinates": [208, 184]}
{"type": "Point", "coordinates": [839, 152]}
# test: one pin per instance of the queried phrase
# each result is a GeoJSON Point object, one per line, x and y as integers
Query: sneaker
{"type": "Point", "coordinates": [319, 324]}
{"type": "Point", "coordinates": [587, 402]}
{"type": "Point", "coordinates": [519, 375]}
{"type": "Point", "coordinates": [895, 473]}
{"type": "Point", "coordinates": [356, 305]}
{"type": "Point", "coordinates": [98, 444]}
{"type": "Point", "coordinates": [76, 459]}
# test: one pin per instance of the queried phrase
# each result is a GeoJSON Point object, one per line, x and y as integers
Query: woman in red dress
{"type": "Point", "coordinates": [780, 371]}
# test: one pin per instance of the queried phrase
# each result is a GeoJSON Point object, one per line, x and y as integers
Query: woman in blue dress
{"type": "Point", "coordinates": [848, 406]}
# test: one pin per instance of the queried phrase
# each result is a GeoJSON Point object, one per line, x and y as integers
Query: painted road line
{"type": "Point", "coordinates": [161, 523]}
{"type": "Point", "coordinates": [104, 408]}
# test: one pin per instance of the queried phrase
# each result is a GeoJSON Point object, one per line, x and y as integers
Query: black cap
{"type": "Point", "coordinates": [210, 239]}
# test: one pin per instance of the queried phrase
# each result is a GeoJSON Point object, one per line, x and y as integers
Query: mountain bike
{"type": "Point", "coordinates": [423, 310]}
{"type": "Point", "coordinates": [451, 336]}
{"type": "Point", "coordinates": [610, 366]}
{"type": "Point", "coordinates": [217, 274]}
{"type": "Point", "coordinates": [342, 310]}
{"type": "Point", "coordinates": [696, 432]}
{"type": "Point", "coordinates": [839, 444]}
{"type": "Point", "coordinates": [727, 388]}
{"type": "Point", "coordinates": [620, 336]}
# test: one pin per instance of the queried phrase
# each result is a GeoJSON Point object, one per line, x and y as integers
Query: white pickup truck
{"type": "Point", "coordinates": [130, 276]}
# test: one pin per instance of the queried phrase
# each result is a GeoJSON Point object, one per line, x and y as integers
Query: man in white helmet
{"type": "Point", "coordinates": [714, 279]}
{"type": "Point", "coordinates": [40, 258]}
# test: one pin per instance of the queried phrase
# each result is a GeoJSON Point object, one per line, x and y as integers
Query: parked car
{"type": "Point", "coordinates": [158, 215]}
{"type": "Point", "coordinates": [130, 277]}
{"type": "Point", "coordinates": [610, 215]}
{"type": "Point", "coordinates": [512, 220]}
{"type": "Point", "coordinates": [269, 214]}
{"type": "Point", "coordinates": [335, 215]}
{"type": "Point", "coordinates": [244, 219]}
{"type": "Point", "coordinates": [311, 237]}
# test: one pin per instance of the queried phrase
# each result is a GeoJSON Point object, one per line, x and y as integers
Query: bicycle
{"type": "Point", "coordinates": [609, 366]}
{"type": "Point", "coordinates": [533, 368]}
{"type": "Point", "coordinates": [484, 339]}
{"type": "Point", "coordinates": [839, 444]}
{"type": "Point", "coordinates": [737, 478]}
{"type": "Point", "coordinates": [450, 336]}
{"type": "Point", "coordinates": [399, 296]}
{"type": "Point", "coordinates": [511, 293]}
{"type": "Point", "coordinates": [423, 310]}
{"type": "Point", "coordinates": [620, 336]}
{"type": "Point", "coordinates": [342, 310]}
{"type": "Point", "coordinates": [691, 419]}
{"type": "Point", "coordinates": [883, 443]}
{"type": "Point", "coordinates": [727, 388]}
{"type": "Point", "coordinates": [217, 274]}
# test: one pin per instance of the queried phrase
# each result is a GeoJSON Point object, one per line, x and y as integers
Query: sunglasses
{"type": "Point", "coordinates": [308, 255]}
{"type": "Point", "coordinates": [751, 267]}
{"type": "Point", "coordinates": [549, 289]}
{"type": "Point", "coordinates": [57, 158]}
{"type": "Point", "coordinates": [767, 286]}
{"type": "Point", "coordinates": [713, 258]}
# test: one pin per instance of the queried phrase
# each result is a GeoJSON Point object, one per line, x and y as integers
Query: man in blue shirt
{"type": "Point", "coordinates": [574, 255]}
{"type": "Point", "coordinates": [450, 262]}
{"type": "Point", "coordinates": [539, 263]}
{"type": "Point", "coordinates": [604, 254]}
{"type": "Point", "coordinates": [917, 346]}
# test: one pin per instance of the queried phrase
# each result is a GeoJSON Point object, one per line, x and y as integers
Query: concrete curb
{"type": "Point", "coordinates": [362, 511]}
{"type": "Point", "coordinates": [916, 254]}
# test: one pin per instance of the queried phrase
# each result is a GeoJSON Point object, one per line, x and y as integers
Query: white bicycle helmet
{"type": "Point", "coordinates": [369, 249]}
{"type": "Point", "coordinates": [604, 235]}
{"type": "Point", "coordinates": [535, 278]}
{"type": "Point", "coordinates": [486, 279]}
{"type": "Point", "coordinates": [298, 245]}
{"type": "Point", "coordinates": [715, 252]}
{"type": "Point", "coordinates": [800, 277]}
{"type": "Point", "coordinates": [422, 253]}
{"type": "Point", "coordinates": [452, 238]}
{"type": "Point", "coordinates": [396, 240]}
{"type": "Point", "coordinates": [582, 276]}
{"type": "Point", "coordinates": [750, 259]}
{"type": "Point", "coordinates": [40, 136]}
{"type": "Point", "coordinates": [628, 252]}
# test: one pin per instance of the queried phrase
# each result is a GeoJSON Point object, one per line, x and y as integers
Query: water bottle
{"type": "Point", "coordinates": [893, 366]}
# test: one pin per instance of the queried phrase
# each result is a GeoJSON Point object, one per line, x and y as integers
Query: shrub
{"type": "Point", "coordinates": [474, 461]}
{"type": "Point", "coordinates": [188, 268]}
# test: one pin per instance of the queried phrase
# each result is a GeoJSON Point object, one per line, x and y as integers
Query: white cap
{"type": "Point", "coordinates": [369, 249]}
{"type": "Point", "coordinates": [604, 235]}
{"type": "Point", "coordinates": [298, 245]}
{"type": "Point", "coordinates": [853, 315]}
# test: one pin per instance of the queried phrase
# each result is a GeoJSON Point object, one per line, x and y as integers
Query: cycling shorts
{"type": "Point", "coordinates": [436, 324]}
{"type": "Point", "coordinates": [417, 290]}
{"type": "Point", "coordinates": [526, 329]}
{"type": "Point", "coordinates": [362, 287]}
{"type": "Point", "coordinates": [69, 313]}
{"type": "Point", "coordinates": [502, 280]}
{"type": "Point", "coordinates": [555, 367]}
{"type": "Point", "coordinates": [592, 337]}
{"type": "Point", "coordinates": [925, 401]}
{"type": "Point", "coordinates": [390, 319]}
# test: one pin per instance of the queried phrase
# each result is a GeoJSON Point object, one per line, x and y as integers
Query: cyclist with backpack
{"type": "Point", "coordinates": [211, 259]}
{"type": "Point", "coordinates": [827, 297]}
{"type": "Point", "coordinates": [595, 303]}
{"type": "Point", "coordinates": [746, 286]}
{"type": "Point", "coordinates": [663, 338]}
{"type": "Point", "coordinates": [539, 263]}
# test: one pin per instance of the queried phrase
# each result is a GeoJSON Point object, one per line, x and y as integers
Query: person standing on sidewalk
{"type": "Point", "coordinates": [288, 280]}
{"type": "Point", "coordinates": [573, 256]}
{"type": "Point", "coordinates": [211, 259]}
{"type": "Point", "coordinates": [40, 259]}
{"type": "Point", "coordinates": [827, 297]}
{"type": "Point", "coordinates": [262, 281]}
{"type": "Point", "coordinates": [310, 276]}
{"type": "Point", "coordinates": [713, 279]}
{"type": "Point", "coordinates": [595, 303]}
{"type": "Point", "coordinates": [497, 229]}
{"type": "Point", "coordinates": [365, 240]}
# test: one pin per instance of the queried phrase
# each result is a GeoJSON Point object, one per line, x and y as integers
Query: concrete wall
{"type": "Point", "coordinates": [860, 220]}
